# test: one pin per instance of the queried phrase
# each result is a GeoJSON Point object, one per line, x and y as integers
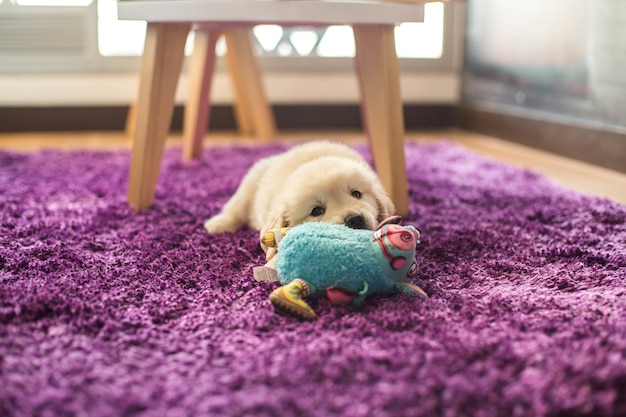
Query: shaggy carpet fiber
{"type": "Point", "coordinates": [108, 312]}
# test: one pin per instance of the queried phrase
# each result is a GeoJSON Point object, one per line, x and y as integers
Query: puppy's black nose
{"type": "Point", "coordinates": [355, 221]}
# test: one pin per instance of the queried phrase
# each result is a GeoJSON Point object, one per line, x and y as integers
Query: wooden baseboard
{"type": "Point", "coordinates": [86, 118]}
{"type": "Point", "coordinates": [604, 147]}
{"type": "Point", "coordinates": [312, 117]}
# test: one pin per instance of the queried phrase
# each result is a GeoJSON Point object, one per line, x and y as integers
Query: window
{"type": "Point", "coordinates": [85, 35]}
{"type": "Point", "coordinates": [81, 43]}
{"type": "Point", "coordinates": [46, 35]}
{"type": "Point", "coordinates": [123, 38]}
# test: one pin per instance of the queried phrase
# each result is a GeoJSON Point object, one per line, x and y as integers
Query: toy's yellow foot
{"type": "Point", "coordinates": [288, 300]}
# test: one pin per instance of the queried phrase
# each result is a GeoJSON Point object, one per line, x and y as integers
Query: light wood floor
{"type": "Point", "coordinates": [572, 174]}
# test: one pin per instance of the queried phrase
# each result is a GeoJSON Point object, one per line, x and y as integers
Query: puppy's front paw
{"type": "Point", "coordinates": [221, 224]}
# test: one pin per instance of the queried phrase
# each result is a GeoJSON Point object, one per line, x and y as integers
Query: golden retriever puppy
{"type": "Point", "coordinates": [315, 182]}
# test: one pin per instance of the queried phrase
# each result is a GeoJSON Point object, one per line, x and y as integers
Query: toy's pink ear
{"type": "Point", "coordinates": [390, 220]}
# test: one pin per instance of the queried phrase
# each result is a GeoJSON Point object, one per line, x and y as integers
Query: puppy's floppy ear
{"type": "Point", "coordinates": [384, 204]}
{"type": "Point", "coordinates": [276, 220]}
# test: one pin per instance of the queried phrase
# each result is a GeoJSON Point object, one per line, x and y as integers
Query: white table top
{"type": "Point", "coordinates": [285, 12]}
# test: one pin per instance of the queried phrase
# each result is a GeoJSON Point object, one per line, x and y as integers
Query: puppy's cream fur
{"type": "Point", "coordinates": [317, 181]}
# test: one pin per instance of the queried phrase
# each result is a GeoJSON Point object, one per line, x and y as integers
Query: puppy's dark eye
{"type": "Point", "coordinates": [356, 194]}
{"type": "Point", "coordinates": [317, 211]}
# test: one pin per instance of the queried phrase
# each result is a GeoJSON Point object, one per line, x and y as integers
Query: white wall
{"type": "Point", "coordinates": [120, 89]}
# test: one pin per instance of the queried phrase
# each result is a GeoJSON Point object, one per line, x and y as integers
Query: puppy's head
{"type": "Point", "coordinates": [334, 190]}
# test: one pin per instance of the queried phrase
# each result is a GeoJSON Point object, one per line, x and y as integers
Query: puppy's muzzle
{"type": "Point", "coordinates": [355, 221]}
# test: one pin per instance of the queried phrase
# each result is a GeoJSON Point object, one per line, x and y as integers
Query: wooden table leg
{"type": "Point", "coordinates": [381, 105]}
{"type": "Point", "coordinates": [160, 69]}
{"type": "Point", "coordinates": [198, 106]}
{"type": "Point", "coordinates": [131, 119]}
{"type": "Point", "coordinates": [254, 114]}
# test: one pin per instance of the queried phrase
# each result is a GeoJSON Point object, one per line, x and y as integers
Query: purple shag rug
{"type": "Point", "coordinates": [107, 312]}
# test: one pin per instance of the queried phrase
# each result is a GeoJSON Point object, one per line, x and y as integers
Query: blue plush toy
{"type": "Point", "coordinates": [346, 265]}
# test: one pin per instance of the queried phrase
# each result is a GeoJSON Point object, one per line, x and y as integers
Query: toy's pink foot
{"type": "Point", "coordinates": [288, 300]}
{"type": "Point", "coordinates": [413, 289]}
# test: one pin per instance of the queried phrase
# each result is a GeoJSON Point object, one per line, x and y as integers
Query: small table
{"type": "Point", "coordinates": [169, 22]}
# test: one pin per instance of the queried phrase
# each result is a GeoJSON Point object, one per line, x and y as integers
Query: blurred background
{"type": "Point", "coordinates": [546, 74]}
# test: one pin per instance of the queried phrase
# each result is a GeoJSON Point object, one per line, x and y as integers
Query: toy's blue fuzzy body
{"type": "Point", "coordinates": [326, 255]}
